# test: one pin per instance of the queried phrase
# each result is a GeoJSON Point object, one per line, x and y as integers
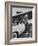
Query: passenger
{"type": "Point", "coordinates": [25, 21]}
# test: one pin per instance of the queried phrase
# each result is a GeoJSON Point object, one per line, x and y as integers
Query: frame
{"type": "Point", "coordinates": [8, 23]}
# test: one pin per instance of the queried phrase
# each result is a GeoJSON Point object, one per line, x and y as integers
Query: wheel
{"type": "Point", "coordinates": [15, 34]}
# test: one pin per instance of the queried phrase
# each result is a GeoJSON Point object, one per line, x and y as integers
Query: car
{"type": "Point", "coordinates": [18, 28]}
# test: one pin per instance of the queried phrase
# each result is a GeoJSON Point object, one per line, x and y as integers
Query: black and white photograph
{"type": "Point", "coordinates": [21, 22]}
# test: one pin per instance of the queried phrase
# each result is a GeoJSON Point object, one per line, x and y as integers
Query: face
{"type": "Point", "coordinates": [25, 19]}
